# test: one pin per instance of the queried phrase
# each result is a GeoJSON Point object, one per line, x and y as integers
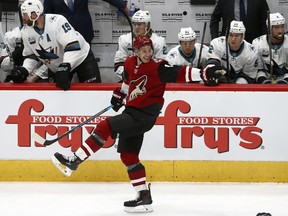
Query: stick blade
{"type": "Point", "coordinates": [36, 137]}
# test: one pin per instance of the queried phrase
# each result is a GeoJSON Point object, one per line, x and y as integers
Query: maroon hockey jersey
{"type": "Point", "coordinates": [147, 81]}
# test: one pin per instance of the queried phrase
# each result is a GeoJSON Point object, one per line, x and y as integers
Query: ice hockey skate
{"type": "Point", "coordinates": [66, 164]}
{"type": "Point", "coordinates": [142, 203]}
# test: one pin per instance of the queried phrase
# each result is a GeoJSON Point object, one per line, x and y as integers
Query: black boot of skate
{"type": "Point", "coordinates": [142, 203]}
{"type": "Point", "coordinates": [66, 164]}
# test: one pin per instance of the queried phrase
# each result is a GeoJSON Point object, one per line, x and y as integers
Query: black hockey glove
{"type": "Point", "coordinates": [63, 76]}
{"type": "Point", "coordinates": [263, 80]}
{"type": "Point", "coordinates": [117, 99]}
{"type": "Point", "coordinates": [17, 55]}
{"type": "Point", "coordinates": [263, 214]}
{"type": "Point", "coordinates": [211, 73]}
{"type": "Point", "coordinates": [282, 81]}
{"type": "Point", "coordinates": [18, 75]}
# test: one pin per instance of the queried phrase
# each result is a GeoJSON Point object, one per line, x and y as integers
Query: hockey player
{"type": "Point", "coordinates": [143, 87]}
{"type": "Point", "coordinates": [187, 52]}
{"type": "Point", "coordinates": [10, 53]}
{"type": "Point", "coordinates": [50, 38]}
{"type": "Point", "coordinates": [142, 26]}
{"type": "Point", "coordinates": [12, 63]}
{"type": "Point", "coordinates": [279, 58]}
{"type": "Point", "coordinates": [242, 56]}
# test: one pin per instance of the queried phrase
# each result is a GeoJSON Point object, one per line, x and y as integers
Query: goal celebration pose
{"type": "Point", "coordinates": [143, 87]}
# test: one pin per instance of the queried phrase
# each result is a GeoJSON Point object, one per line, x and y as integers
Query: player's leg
{"type": "Point", "coordinates": [129, 148]}
{"type": "Point", "coordinates": [67, 164]}
{"type": "Point", "coordinates": [124, 123]}
{"type": "Point", "coordinates": [88, 70]}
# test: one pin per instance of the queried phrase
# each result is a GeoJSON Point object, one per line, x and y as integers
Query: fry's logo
{"type": "Point", "coordinates": [214, 131]}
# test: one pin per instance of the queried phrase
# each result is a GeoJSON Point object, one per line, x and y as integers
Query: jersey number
{"type": "Point", "coordinates": [66, 27]}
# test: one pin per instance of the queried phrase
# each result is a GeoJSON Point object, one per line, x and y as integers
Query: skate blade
{"type": "Point", "coordinates": [139, 209]}
{"type": "Point", "coordinates": [65, 170]}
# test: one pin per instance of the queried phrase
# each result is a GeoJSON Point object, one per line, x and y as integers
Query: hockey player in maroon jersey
{"type": "Point", "coordinates": [143, 87]}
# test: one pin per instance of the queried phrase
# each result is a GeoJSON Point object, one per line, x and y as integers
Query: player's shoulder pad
{"type": "Point", "coordinates": [204, 47]}
{"type": "Point", "coordinates": [251, 47]}
{"type": "Point", "coordinates": [218, 44]}
{"type": "Point", "coordinates": [259, 40]}
{"type": "Point", "coordinates": [124, 39]}
{"type": "Point", "coordinates": [173, 51]}
{"type": "Point", "coordinates": [156, 39]}
{"type": "Point", "coordinates": [218, 40]}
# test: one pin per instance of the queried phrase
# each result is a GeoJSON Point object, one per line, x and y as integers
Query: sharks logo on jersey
{"type": "Point", "coordinates": [55, 43]}
{"type": "Point", "coordinates": [43, 54]}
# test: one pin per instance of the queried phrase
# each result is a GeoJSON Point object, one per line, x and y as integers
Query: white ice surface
{"type": "Point", "coordinates": [169, 199]}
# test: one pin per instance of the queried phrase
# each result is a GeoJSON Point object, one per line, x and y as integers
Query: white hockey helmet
{"type": "Point", "coordinates": [237, 27]}
{"type": "Point", "coordinates": [30, 6]}
{"type": "Point", "coordinates": [186, 34]}
{"type": "Point", "coordinates": [141, 16]}
{"type": "Point", "coordinates": [276, 19]}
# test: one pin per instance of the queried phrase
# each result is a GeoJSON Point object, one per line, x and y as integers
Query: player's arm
{"type": "Point", "coordinates": [121, 55]}
{"type": "Point", "coordinates": [161, 46]}
{"type": "Point", "coordinates": [20, 74]}
{"type": "Point", "coordinates": [214, 52]}
{"type": "Point", "coordinates": [182, 74]}
{"type": "Point", "coordinates": [251, 66]}
{"type": "Point", "coordinates": [41, 71]}
{"type": "Point", "coordinates": [179, 74]}
{"type": "Point", "coordinates": [69, 39]}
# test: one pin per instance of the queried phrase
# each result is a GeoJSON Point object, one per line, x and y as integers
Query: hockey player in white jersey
{"type": "Point", "coordinates": [12, 41]}
{"type": "Point", "coordinates": [12, 63]}
{"type": "Point", "coordinates": [279, 57]}
{"type": "Point", "coordinates": [141, 27]}
{"type": "Point", "coordinates": [50, 38]}
{"type": "Point", "coordinates": [242, 57]}
{"type": "Point", "coordinates": [188, 51]}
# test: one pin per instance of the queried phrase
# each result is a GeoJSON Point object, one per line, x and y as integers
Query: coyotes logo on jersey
{"type": "Point", "coordinates": [137, 87]}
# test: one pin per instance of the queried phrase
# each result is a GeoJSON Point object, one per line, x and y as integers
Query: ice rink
{"type": "Point", "coordinates": [193, 199]}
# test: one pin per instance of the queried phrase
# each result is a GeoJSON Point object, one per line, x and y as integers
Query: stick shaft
{"type": "Point", "coordinates": [227, 52]}
{"type": "Point", "coordinates": [269, 44]}
{"type": "Point", "coordinates": [202, 42]}
{"type": "Point", "coordinates": [49, 142]}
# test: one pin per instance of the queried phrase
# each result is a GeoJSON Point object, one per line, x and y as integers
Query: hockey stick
{"type": "Point", "coordinates": [44, 142]}
{"type": "Point", "coordinates": [270, 48]}
{"type": "Point", "coordinates": [202, 42]}
{"type": "Point", "coordinates": [1, 29]}
{"type": "Point", "coordinates": [127, 18]}
{"type": "Point", "coordinates": [227, 52]}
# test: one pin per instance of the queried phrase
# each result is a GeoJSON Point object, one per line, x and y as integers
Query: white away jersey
{"type": "Point", "coordinates": [245, 60]}
{"type": "Point", "coordinates": [279, 55]}
{"type": "Point", "coordinates": [13, 39]}
{"type": "Point", "coordinates": [50, 44]}
{"type": "Point", "coordinates": [176, 57]}
{"type": "Point", "coordinates": [125, 47]}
